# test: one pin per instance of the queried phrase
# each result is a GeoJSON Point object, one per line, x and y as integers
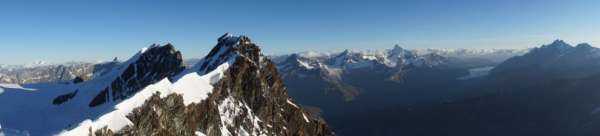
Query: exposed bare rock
{"type": "Point", "coordinates": [156, 63]}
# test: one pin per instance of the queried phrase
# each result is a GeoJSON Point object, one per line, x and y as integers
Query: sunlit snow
{"type": "Point", "coordinates": [193, 87]}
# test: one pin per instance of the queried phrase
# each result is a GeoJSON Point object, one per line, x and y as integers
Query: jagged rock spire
{"type": "Point", "coordinates": [397, 48]}
{"type": "Point", "coordinates": [227, 49]}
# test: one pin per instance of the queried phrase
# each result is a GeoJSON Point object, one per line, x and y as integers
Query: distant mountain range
{"type": "Point", "coordinates": [530, 91]}
{"type": "Point", "coordinates": [357, 82]}
{"type": "Point", "coordinates": [40, 72]}
{"type": "Point", "coordinates": [552, 90]}
{"type": "Point", "coordinates": [392, 65]}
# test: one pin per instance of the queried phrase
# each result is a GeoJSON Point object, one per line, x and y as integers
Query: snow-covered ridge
{"type": "Point", "coordinates": [396, 56]}
{"type": "Point", "coordinates": [193, 87]}
{"type": "Point", "coordinates": [221, 53]}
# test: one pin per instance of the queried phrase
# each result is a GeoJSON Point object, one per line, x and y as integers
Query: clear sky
{"type": "Point", "coordinates": [87, 30]}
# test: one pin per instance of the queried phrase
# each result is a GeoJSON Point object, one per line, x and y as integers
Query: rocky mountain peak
{"type": "Point", "coordinates": [227, 48]}
{"type": "Point", "coordinates": [293, 59]}
{"type": "Point", "coordinates": [397, 48]}
{"type": "Point", "coordinates": [559, 42]}
{"type": "Point", "coordinates": [399, 52]}
{"type": "Point", "coordinates": [346, 52]}
{"type": "Point", "coordinates": [344, 58]}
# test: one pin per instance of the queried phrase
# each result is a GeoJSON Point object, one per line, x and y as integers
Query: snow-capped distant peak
{"type": "Point", "coordinates": [397, 49]}
{"type": "Point", "coordinates": [313, 54]}
{"type": "Point", "coordinates": [559, 42]}
{"type": "Point", "coordinates": [39, 62]}
{"type": "Point", "coordinates": [36, 63]}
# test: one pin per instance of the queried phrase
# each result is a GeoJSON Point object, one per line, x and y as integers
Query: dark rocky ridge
{"type": "Point", "coordinates": [251, 85]}
{"type": "Point", "coordinates": [157, 63]}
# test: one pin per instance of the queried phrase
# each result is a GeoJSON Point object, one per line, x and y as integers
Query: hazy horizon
{"type": "Point", "coordinates": [64, 31]}
{"type": "Point", "coordinates": [279, 54]}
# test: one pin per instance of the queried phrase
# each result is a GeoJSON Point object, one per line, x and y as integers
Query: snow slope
{"type": "Point", "coordinates": [193, 87]}
{"type": "Point", "coordinates": [30, 107]}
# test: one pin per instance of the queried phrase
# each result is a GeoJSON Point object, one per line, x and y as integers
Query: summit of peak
{"type": "Point", "coordinates": [224, 37]}
{"type": "Point", "coordinates": [345, 52]}
{"type": "Point", "coordinates": [161, 49]}
{"type": "Point", "coordinates": [558, 44]}
{"type": "Point", "coordinates": [558, 41]}
{"type": "Point", "coordinates": [232, 39]}
{"type": "Point", "coordinates": [397, 47]}
{"type": "Point", "coordinates": [229, 47]}
{"type": "Point", "coordinates": [398, 51]}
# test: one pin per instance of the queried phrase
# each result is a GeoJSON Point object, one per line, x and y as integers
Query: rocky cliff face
{"type": "Point", "coordinates": [154, 64]}
{"type": "Point", "coordinates": [250, 99]}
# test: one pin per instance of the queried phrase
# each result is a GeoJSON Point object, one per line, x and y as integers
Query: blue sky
{"type": "Point", "coordinates": [83, 30]}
